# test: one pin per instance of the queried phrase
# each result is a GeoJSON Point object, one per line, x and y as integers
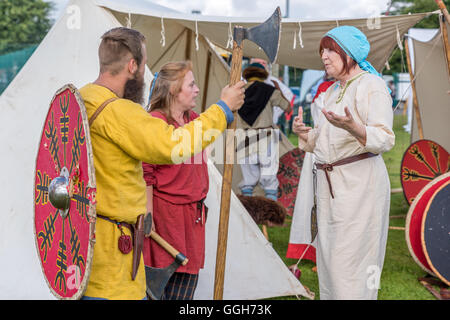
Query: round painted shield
{"type": "Point", "coordinates": [64, 196]}
{"type": "Point", "coordinates": [288, 177]}
{"type": "Point", "coordinates": [423, 161]}
{"type": "Point", "coordinates": [414, 220]}
{"type": "Point", "coordinates": [436, 232]}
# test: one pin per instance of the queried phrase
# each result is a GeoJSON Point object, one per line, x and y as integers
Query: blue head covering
{"type": "Point", "coordinates": [153, 86]}
{"type": "Point", "coordinates": [355, 44]}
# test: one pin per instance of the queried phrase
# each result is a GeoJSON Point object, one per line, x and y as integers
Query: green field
{"type": "Point", "coordinates": [400, 272]}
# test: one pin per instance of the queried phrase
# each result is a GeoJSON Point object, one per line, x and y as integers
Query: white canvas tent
{"type": "Point", "coordinates": [68, 54]}
{"type": "Point", "coordinates": [432, 79]}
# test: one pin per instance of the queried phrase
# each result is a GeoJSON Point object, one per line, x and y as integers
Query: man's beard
{"type": "Point", "coordinates": [134, 89]}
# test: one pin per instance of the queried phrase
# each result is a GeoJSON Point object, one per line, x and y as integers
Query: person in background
{"type": "Point", "coordinates": [287, 93]}
{"type": "Point", "coordinates": [259, 166]}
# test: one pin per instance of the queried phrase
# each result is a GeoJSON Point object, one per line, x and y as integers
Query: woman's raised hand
{"type": "Point", "coordinates": [299, 127]}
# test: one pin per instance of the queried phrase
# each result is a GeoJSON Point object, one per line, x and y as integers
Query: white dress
{"type": "Point", "coordinates": [353, 227]}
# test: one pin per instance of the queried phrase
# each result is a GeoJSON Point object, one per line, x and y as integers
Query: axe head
{"type": "Point", "coordinates": [265, 35]}
{"type": "Point", "coordinates": [157, 279]}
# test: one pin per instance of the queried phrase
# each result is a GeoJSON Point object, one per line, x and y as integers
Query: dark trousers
{"type": "Point", "coordinates": [181, 286]}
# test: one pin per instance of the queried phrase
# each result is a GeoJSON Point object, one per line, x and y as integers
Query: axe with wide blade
{"type": "Point", "coordinates": [157, 278]}
{"type": "Point", "coordinates": [267, 37]}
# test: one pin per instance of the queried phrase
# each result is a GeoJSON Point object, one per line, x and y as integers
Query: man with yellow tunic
{"type": "Point", "coordinates": [123, 135]}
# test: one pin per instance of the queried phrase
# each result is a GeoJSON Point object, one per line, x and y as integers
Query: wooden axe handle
{"type": "Point", "coordinates": [235, 77]}
{"type": "Point", "coordinates": [166, 246]}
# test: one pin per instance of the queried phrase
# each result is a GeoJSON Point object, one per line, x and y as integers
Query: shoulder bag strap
{"type": "Point", "coordinates": [100, 109]}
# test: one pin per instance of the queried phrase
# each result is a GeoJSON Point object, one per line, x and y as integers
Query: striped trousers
{"type": "Point", "coordinates": [181, 286]}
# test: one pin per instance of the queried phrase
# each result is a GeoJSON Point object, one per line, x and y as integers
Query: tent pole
{"type": "Point", "coordinates": [207, 70]}
{"type": "Point", "coordinates": [187, 52]}
{"type": "Point", "coordinates": [444, 10]}
{"type": "Point", "coordinates": [444, 32]}
{"type": "Point", "coordinates": [413, 87]}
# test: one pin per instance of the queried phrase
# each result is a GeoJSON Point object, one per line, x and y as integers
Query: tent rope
{"type": "Point", "coordinates": [294, 46]}
{"type": "Point", "coordinates": [300, 40]}
{"type": "Point", "coordinates": [300, 35]}
{"type": "Point", "coordinates": [163, 33]}
{"type": "Point", "coordinates": [196, 35]}
{"type": "Point", "coordinates": [399, 41]}
{"type": "Point", "coordinates": [129, 20]}
{"type": "Point", "coordinates": [230, 37]}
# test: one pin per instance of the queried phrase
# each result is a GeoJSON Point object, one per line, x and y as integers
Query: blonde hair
{"type": "Point", "coordinates": [168, 84]}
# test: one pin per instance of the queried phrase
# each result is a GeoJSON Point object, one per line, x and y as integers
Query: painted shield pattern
{"type": "Point", "coordinates": [423, 161]}
{"type": "Point", "coordinates": [288, 176]}
{"type": "Point", "coordinates": [64, 196]}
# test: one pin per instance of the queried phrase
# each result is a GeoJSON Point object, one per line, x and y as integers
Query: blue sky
{"type": "Point", "coordinates": [302, 9]}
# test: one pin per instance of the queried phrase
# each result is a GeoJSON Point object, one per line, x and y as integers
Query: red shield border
{"type": "Point", "coordinates": [414, 220]}
{"type": "Point", "coordinates": [65, 246]}
{"type": "Point", "coordinates": [434, 236]}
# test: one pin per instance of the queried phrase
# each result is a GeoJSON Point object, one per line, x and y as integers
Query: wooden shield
{"type": "Point", "coordinates": [288, 176]}
{"type": "Point", "coordinates": [435, 233]}
{"type": "Point", "coordinates": [64, 165]}
{"type": "Point", "coordinates": [414, 220]}
{"type": "Point", "coordinates": [423, 161]}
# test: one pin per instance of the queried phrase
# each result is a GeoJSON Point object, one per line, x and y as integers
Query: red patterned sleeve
{"type": "Point", "coordinates": [149, 176]}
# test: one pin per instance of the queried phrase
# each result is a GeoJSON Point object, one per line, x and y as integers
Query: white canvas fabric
{"type": "Point", "coordinates": [432, 90]}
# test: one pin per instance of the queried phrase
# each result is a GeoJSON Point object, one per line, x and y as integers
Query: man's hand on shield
{"type": "Point", "coordinates": [234, 95]}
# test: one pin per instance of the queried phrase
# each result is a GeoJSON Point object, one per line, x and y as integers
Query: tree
{"type": "Point", "coordinates": [23, 23]}
{"type": "Point", "coordinates": [397, 61]}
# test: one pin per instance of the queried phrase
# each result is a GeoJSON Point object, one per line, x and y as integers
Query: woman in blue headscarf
{"type": "Point", "coordinates": [352, 183]}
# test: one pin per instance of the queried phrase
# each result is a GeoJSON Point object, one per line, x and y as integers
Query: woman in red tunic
{"type": "Point", "coordinates": [175, 193]}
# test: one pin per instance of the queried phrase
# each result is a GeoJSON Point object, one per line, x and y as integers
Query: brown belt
{"type": "Point", "coordinates": [258, 136]}
{"type": "Point", "coordinates": [329, 166]}
{"type": "Point", "coordinates": [137, 232]}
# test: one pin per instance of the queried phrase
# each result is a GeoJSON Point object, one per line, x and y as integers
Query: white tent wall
{"type": "Point", "coordinates": [423, 35]}
{"type": "Point", "coordinates": [432, 87]}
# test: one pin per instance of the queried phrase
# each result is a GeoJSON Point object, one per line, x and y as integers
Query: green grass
{"type": "Point", "coordinates": [400, 272]}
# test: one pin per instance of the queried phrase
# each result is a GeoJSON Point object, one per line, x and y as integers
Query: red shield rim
{"type": "Point", "coordinates": [423, 161]}
{"type": "Point", "coordinates": [77, 237]}
{"type": "Point", "coordinates": [432, 264]}
{"type": "Point", "coordinates": [414, 220]}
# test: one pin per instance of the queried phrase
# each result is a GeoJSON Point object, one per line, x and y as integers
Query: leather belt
{"type": "Point", "coordinates": [255, 138]}
{"type": "Point", "coordinates": [329, 166]}
{"type": "Point", "coordinates": [138, 236]}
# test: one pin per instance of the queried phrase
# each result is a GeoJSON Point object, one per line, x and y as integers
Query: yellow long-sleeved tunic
{"type": "Point", "coordinates": [122, 136]}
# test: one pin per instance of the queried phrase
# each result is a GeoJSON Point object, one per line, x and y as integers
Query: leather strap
{"type": "Point", "coordinates": [138, 239]}
{"type": "Point", "coordinates": [329, 166]}
{"type": "Point", "coordinates": [124, 224]}
{"type": "Point", "coordinates": [100, 109]}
